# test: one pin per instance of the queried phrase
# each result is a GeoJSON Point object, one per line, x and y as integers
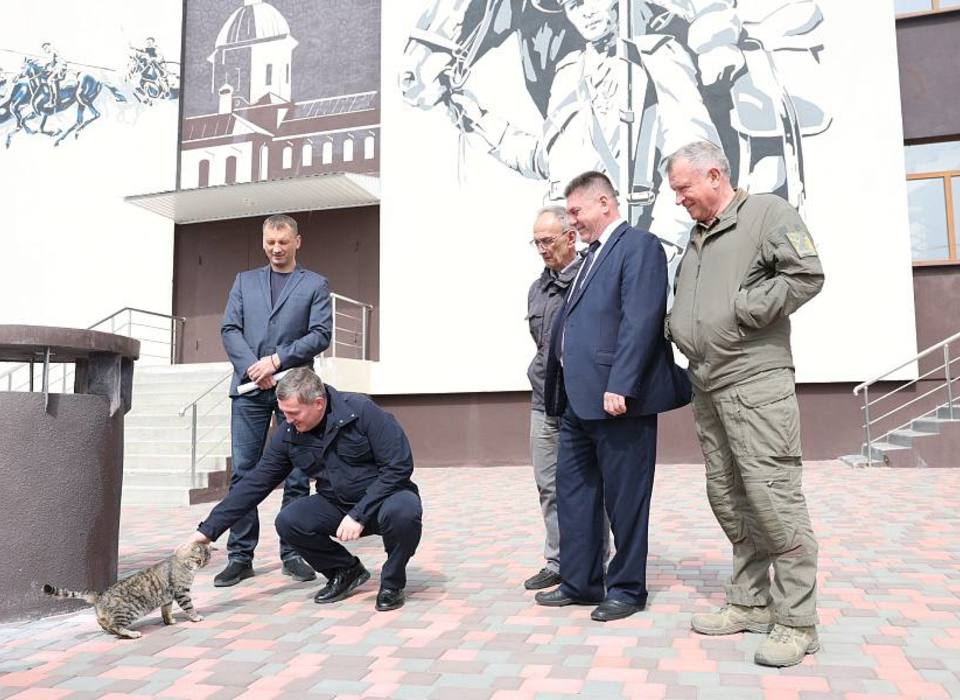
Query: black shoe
{"type": "Point", "coordinates": [542, 579]}
{"type": "Point", "coordinates": [235, 572]}
{"type": "Point", "coordinates": [390, 599]}
{"type": "Point", "coordinates": [557, 599]}
{"type": "Point", "coordinates": [298, 569]}
{"type": "Point", "coordinates": [614, 610]}
{"type": "Point", "coordinates": [342, 583]}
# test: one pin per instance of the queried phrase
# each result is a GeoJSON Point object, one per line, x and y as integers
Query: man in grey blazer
{"type": "Point", "coordinates": [277, 317]}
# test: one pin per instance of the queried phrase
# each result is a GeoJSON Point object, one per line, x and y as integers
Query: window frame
{"type": "Point", "coordinates": [935, 10]}
{"type": "Point", "coordinates": [946, 176]}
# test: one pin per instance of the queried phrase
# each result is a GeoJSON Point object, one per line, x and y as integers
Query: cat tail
{"type": "Point", "coordinates": [89, 596]}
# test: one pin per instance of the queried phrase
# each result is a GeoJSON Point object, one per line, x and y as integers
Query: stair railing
{"type": "Point", "coordinates": [159, 340]}
{"type": "Point", "coordinates": [870, 407]}
{"type": "Point", "coordinates": [348, 338]}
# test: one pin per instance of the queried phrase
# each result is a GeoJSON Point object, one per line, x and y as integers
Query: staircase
{"type": "Point", "coordinates": [929, 439]}
{"type": "Point", "coordinates": [157, 441]}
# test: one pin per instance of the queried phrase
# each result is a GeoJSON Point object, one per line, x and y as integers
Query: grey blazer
{"type": "Point", "coordinates": [297, 328]}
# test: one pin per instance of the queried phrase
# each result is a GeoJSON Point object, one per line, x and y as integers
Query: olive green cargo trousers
{"type": "Point", "coordinates": [750, 436]}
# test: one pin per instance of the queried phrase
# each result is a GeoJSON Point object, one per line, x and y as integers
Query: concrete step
{"type": "Point", "coordinates": [161, 420]}
{"type": "Point", "coordinates": [945, 411]}
{"type": "Point", "coordinates": [191, 389]}
{"type": "Point", "coordinates": [857, 460]}
{"type": "Point", "coordinates": [172, 403]}
{"type": "Point", "coordinates": [154, 496]}
{"type": "Point", "coordinates": [931, 424]}
{"type": "Point", "coordinates": [906, 436]}
{"type": "Point", "coordinates": [149, 433]}
{"type": "Point", "coordinates": [167, 477]}
{"type": "Point", "coordinates": [177, 448]}
{"type": "Point", "coordinates": [174, 462]}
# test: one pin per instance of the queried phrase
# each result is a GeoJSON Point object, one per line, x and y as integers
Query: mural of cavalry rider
{"type": "Point", "coordinates": [149, 65]}
{"type": "Point", "coordinates": [759, 66]}
{"type": "Point", "coordinates": [584, 129]}
{"type": "Point", "coordinates": [54, 70]}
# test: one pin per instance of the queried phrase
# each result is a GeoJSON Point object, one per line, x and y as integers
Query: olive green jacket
{"type": "Point", "coordinates": [734, 292]}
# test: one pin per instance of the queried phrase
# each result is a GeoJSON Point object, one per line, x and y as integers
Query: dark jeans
{"type": "Point", "coordinates": [249, 423]}
{"type": "Point", "coordinates": [310, 524]}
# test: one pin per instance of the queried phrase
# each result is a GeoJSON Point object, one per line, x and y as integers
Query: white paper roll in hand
{"type": "Point", "coordinates": [252, 386]}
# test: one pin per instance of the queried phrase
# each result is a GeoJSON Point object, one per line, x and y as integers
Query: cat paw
{"type": "Point", "coordinates": [171, 621]}
{"type": "Point", "coordinates": [196, 618]}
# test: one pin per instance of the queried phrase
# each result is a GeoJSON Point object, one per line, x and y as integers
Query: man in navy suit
{"type": "Point", "coordinates": [611, 371]}
{"type": "Point", "coordinates": [277, 317]}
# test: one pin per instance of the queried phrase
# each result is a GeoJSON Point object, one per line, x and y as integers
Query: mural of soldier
{"type": "Point", "coordinates": [650, 77]}
{"type": "Point", "coordinates": [149, 74]}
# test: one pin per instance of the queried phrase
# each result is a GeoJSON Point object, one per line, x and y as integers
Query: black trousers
{"type": "Point", "coordinates": [309, 525]}
{"type": "Point", "coordinates": [605, 462]}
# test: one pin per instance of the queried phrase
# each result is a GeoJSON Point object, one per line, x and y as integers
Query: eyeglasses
{"type": "Point", "coordinates": [544, 243]}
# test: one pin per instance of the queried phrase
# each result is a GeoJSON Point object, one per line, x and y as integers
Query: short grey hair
{"type": "Point", "coordinates": [559, 212]}
{"type": "Point", "coordinates": [278, 221]}
{"type": "Point", "coordinates": [301, 383]}
{"type": "Point", "coordinates": [702, 155]}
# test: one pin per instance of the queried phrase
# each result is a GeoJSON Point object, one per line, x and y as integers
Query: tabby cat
{"type": "Point", "coordinates": [157, 586]}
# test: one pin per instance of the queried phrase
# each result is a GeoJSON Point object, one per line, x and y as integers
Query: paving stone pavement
{"type": "Point", "coordinates": [889, 602]}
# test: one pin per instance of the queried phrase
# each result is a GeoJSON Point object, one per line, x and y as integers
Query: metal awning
{"type": "Point", "coordinates": [308, 193]}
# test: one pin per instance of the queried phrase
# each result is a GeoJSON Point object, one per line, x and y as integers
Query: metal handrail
{"type": "Point", "coordinates": [129, 310]}
{"type": "Point", "coordinates": [860, 387]}
{"type": "Point", "coordinates": [869, 423]}
{"type": "Point", "coordinates": [365, 310]}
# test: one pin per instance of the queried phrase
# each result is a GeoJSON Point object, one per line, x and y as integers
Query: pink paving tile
{"type": "Point", "coordinates": [259, 695]}
{"type": "Point", "coordinates": [512, 695]}
{"type": "Point", "coordinates": [459, 655]}
{"type": "Point", "coordinates": [269, 684]}
{"type": "Point", "coordinates": [611, 641]}
{"type": "Point", "coordinates": [42, 694]}
{"type": "Point", "coordinates": [561, 686]}
{"type": "Point", "coordinates": [617, 675]}
{"type": "Point", "coordinates": [535, 671]}
{"type": "Point", "coordinates": [648, 691]}
{"type": "Point", "coordinates": [129, 673]}
{"type": "Point", "coordinates": [189, 691]}
{"type": "Point", "coordinates": [688, 664]}
{"type": "Point", "coordinates": [251, 644]}
{"type": "Point", "coordinates": [22, 679]}
{"type": "Point", "coordinates": [922, 689]}
{"type": "Point", "coordinates": [381, 690]}
{"type": "Point", "coordinates": [383, 677]}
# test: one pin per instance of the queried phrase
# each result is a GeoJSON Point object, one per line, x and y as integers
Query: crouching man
{"type": "Point", "coordinates": [361, 461]}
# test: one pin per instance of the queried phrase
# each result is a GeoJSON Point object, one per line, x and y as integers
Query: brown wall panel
{"type": "Point", "coordinates": [341, 244]}
{"type": "Point", "coordinates": [929, 75]}
{"type": "Point", "coordinates": [493, 429]}
{"type": "Point", "coordinates": [935, 290]}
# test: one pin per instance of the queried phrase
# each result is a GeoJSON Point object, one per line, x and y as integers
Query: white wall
{"type": "Point", "coordinates": [455, 266]}
{"type": "Point", "coordinates": [74, 251]}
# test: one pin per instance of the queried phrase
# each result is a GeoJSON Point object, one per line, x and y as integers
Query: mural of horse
{"type": "Point", "coordinates": [452, 35]}
{"type": "Point", "coordinates": [30, 99]}
{"type": "Point", "coordinates": [147, 81]}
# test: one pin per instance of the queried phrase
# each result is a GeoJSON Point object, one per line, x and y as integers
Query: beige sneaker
{"type": "Point", "coordinates": [786, 646]}
{"type": "Point", "coordinates": [733, 618]}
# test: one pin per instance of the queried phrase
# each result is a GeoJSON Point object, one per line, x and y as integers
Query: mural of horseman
{"type": "Point", "coordinates": [644, 79]}
{"type": "Point", "coordinates": [150, 75]}
{"type": "Point", "coordinates": [31, 98]}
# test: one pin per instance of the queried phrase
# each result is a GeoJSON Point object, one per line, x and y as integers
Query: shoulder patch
{"type": "Point", "coordinates": [802, 243]}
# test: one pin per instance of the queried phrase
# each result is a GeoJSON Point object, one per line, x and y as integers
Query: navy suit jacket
{"type": "Point", "coordinates": [613, 335]}
{"type": "Point", "coordinates": [297, 327]}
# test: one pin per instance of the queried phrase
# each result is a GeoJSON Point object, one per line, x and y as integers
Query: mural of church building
{"type": "Point", "coordinates": [269, 124]}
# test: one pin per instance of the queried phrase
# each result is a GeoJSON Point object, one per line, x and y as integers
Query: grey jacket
{"type": "Point", "coordinates": [734, 292]}
{"type": "Point", "coordinates": [297, 327]}
{"type": "Point", "coordinates": [544, 301]}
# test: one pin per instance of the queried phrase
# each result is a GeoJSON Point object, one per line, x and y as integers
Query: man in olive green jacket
{"type": "Point", "coordinates": [749, 265]}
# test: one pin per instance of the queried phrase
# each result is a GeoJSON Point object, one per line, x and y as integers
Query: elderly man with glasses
{"type": "Point", "coordinates": [555, 241]}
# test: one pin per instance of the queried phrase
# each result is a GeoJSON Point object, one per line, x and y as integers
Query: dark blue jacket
{"type": "Point", "coordinates": [613, 335]}
{"type": "Point", "coordinates": [359, 453]}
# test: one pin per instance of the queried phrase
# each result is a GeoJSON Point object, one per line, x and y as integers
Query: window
{"type": "Point", "coordinates": [287, 157]}
{"type": "Point", "coordinates": [230, 170]}
{"type": "Point", "coordinates": [264, 162]}
{"type": "Point", "coordinates": [347, 150]}
{"type": "Point", "coordinates": [288, 74]}
{"type": "Point", "coordinates": [203, 174]}
{"type": "Point", "coordinates": [269, 78]}
{"type": "Point", "coordinates": [933, 200]}
{"type": "Point", "coordinates": [306, 155]}
{"type": "Point", "coordinates": [914, 7]}
{"type": "Point", "coordinates": [369, 147]}
{"type": "Point", "coordinates": [326, 153]}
